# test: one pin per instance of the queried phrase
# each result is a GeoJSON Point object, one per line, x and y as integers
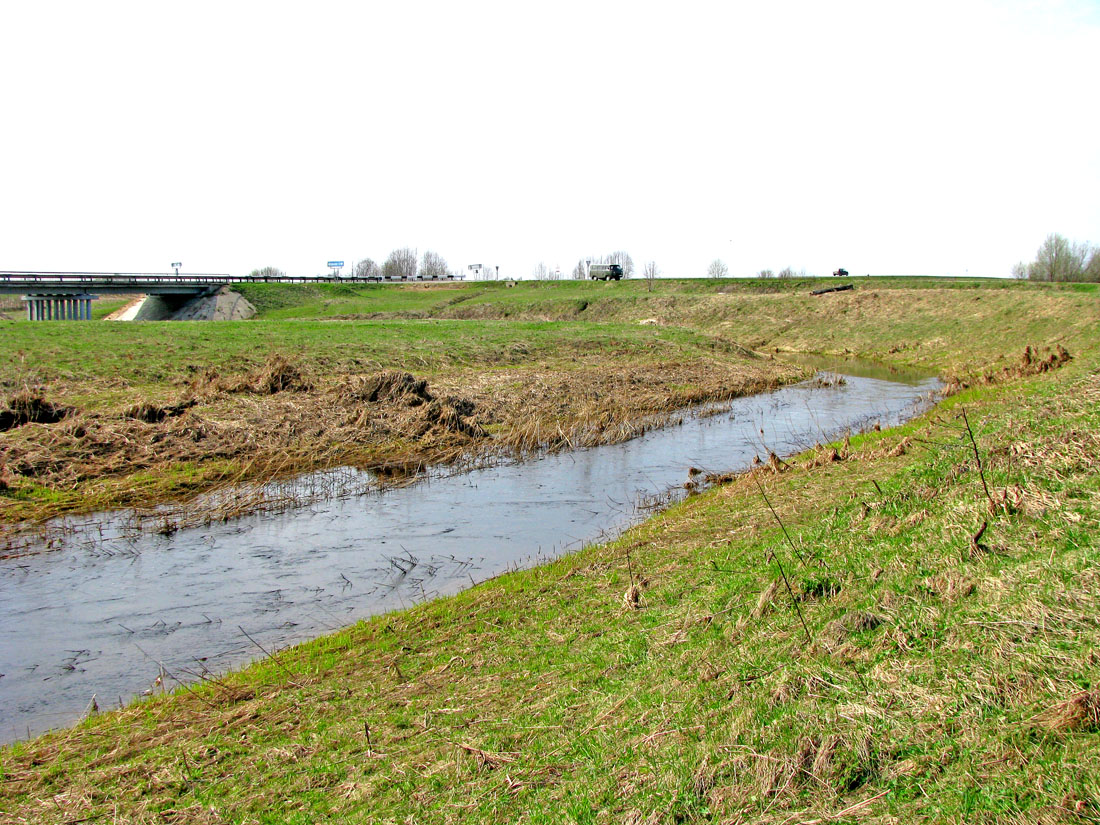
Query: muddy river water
{"type": "Point", "coordinates": [107, 617]}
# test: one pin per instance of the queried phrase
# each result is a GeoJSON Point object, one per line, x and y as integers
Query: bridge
{"type": "Point", "coordinates": [68, 296]}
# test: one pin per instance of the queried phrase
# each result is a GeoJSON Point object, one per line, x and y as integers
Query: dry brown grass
{"type": "Point", "coordinates": [1033, 361]}
{"type": "Point", "coordinates": [280, 420]}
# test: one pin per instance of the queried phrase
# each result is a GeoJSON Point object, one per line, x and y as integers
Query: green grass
{"type": "Point", "coordinates": [923, 322]}
{"type": "Point", "coordinates": [166, 353]}
{"type": "Point", "coordinates": [930, 690]}
{"type": "Point", "coordinates": [940, 324]}
{"type": "Point", "coordinates": [940, 683]}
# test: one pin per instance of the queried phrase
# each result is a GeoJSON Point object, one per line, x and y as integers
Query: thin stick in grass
{"type": "Point", "coordinates": [779, 564]}
{"type": "Point", "coordinates": [977, 458]}
{"type": "Point", "coordinates": [271, 656]}
{"type": "Point", "coordinates": [778, 519]}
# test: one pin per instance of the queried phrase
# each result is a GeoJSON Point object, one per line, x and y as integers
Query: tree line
{"type": "Point", "coordinates": [402, 264]}
{"type": "Point", "coordinates": [1059, 259]}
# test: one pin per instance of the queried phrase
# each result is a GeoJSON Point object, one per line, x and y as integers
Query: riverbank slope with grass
{"type": "Point", "coordinates": [900, 628]}
{"type": "Point", "coordinates": [942, 324]}
{"type": "Point", "coordinates": [101, 416]}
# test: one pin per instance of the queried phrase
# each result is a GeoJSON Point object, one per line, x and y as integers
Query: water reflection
{"type": "Point", "coordinates": [857, 367]}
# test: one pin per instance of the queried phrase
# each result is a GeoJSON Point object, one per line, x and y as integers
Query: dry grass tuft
{"type": "Point", "coordinates": [30, 408]}
{"type": "Point", "coordinates": [632, 598]}
{"type": "Point", "coordinates": [155, 413]}
{"type": "Point", "coordinates": [839, 630]}
{"type": "Point", "coordinates": [278, 375]}
{"type": "Point", "coordinates": [1078, 714]}
{"type": "Point", "coordinates": [766, 600]}
{"type": "Point", "coordinates": [823, 457]}
{"type": "Point", "coordinates": [390, 385]}
{"type": "Point", "coordinates": [950, 586]}
{"type": "Point", "coordinates": [487, 760]}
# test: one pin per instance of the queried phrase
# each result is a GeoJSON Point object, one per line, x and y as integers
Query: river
{"type": "Point", "coordinates": [107, 617]}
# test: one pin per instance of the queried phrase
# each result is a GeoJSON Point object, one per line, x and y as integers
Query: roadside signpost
{"type": "Point", "coordinates": [335, 267]}
{"type": "Point", "coordinates": [176, 266]}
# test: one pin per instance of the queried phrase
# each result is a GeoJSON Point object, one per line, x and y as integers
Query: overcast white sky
{"type": "Point", "coordinates": [888, 138]}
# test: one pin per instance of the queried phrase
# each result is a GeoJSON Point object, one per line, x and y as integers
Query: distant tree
{"type": "Point", "coordinates": [622, 259]}
{"type": "Point", "coordinates": [765, 273]}
{"type": "Point", "coordinates": [541, 272]}
{"type": "Point", "coordinates": [1058, 260]}
{"type": "Point", "coordinates": [433, 265]}
{"type": "Point", "coordinates": [650, 273]}
{"type": "Point", "coordinates": [266, 272]}
{"type": "Point", "coordinates": [717, 269]}
{"type": "Point", "coordinates": [366, 268]}
{"type": "Point", "coordinates": [1092, 268]}
{"type": "Point", "coordinates": [580, 271]}
{"type": "Point", "coordinates": [1019, 271]}
{"type": "Point", "coordinates": [401, 264]}
{"type": "Point", "coordinates": [786, 273]}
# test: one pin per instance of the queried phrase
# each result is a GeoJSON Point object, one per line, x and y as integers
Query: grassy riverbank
{"type": "Point", "coordinates": [903, 629]}
{"type": "Point", "coordinates": [154, 412]}
{"type": "Point", "coordinates": [160, 411]}
{"type": "Point", "coordinates": [945, 325]}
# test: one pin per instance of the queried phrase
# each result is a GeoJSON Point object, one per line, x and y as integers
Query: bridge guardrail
{"type": "Point", "coordinates": [136, 279]}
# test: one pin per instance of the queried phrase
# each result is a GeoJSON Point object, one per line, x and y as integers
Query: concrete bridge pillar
{"type": "Point", "coordinates": [59, 307]}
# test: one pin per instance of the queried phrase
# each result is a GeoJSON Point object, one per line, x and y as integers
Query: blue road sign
{"type": "Point", "coordinates": [335, 264]}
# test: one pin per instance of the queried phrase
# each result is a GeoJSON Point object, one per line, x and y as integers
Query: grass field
{"type": "Point", "coordinates": [901, 629]}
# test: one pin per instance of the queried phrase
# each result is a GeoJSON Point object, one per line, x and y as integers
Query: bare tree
{"type": "Point", "coordinates": [765, 273]}
{"type": "Point", "coordinates": [267, 272]}
{"type": "Point", "coordinates": [1092, 268]}
{"type": "Point", "coordinates": [622, 259]}
{"type": "Point", "coordinates": [717, 269]}
{"type": "Point", "coordinates": [650, 273]}
{"type": "Point", "coordinates": [1019, 271]}
{"type": "Point", "coordinates": [540, 272]}
{"type": "Point", "coordinates": [366, 268]}
{"type": "Point", "coordinates": [433, 266]}
{"type": "Point", "coordinates": [401, 264]}
{"type": "Point", "coordinates": [1058, 260]}
{"type": "Point", "coordinates": [580, 271]}
{"type": "Point", "coordinates": [787, 272]}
